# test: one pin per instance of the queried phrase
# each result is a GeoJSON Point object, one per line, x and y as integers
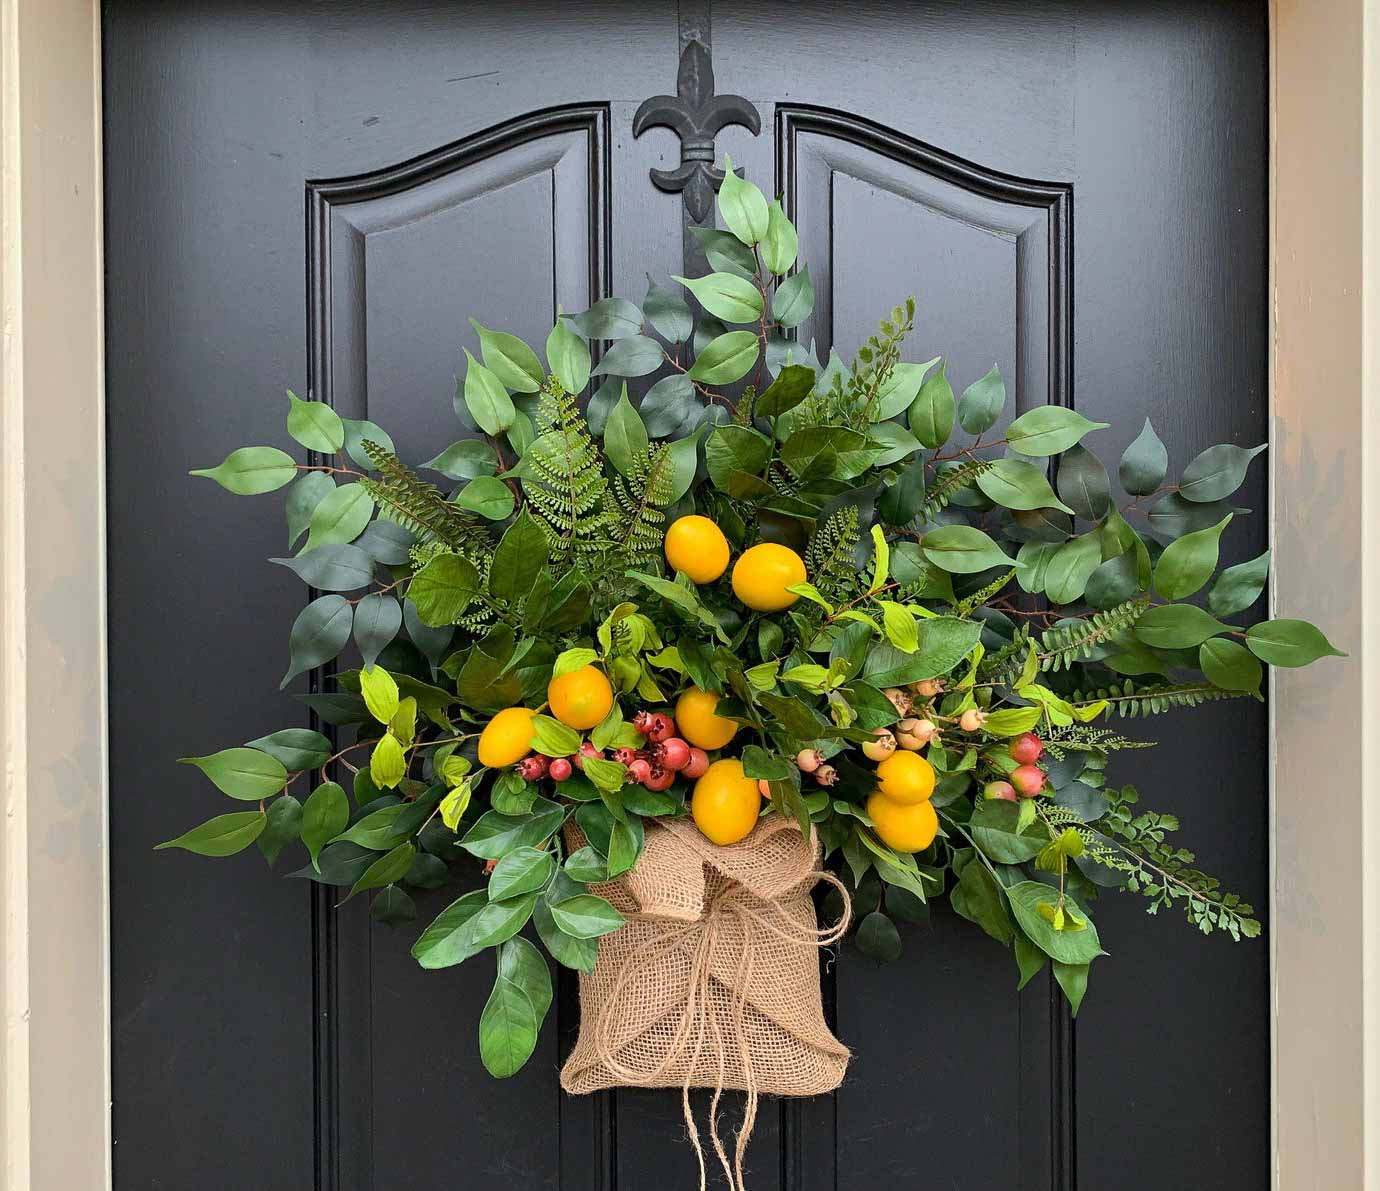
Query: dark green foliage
{"type": "Point", "coordinates": [829, 560]}
{"type": "Point", "coordinates": [420, 507]}
{"type": "Point", "coordinates": [639, 502]}
{"type": "Point", "coordinates": [566, 486]}
{"type": "Point", "coordinates": [1130, 700]}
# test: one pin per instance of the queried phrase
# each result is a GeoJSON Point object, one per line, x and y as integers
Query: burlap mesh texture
{"type": "Point", "coordinates": [714, 980]}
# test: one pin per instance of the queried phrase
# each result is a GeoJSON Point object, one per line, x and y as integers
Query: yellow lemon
{"type": "Point", "coordinates": [762, 574]}
{"type": "Point", "coordinates": [697, 723]}
{"type": "Point", "coordinates": [695, 546]}
{"type": "Point", "coordinates": [581, 698]}
{"type": "Point", "coordinates": [906, 777]}
{"type": "Point", "coordinates": [906, 828]}
{"type": "Point", "coordinates": [506, 738]}
{"type": "Point", "coordinates": [726, 802]}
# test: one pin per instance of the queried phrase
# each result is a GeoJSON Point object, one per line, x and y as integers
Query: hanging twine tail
{"type": "Point", "coordinates": [741, 926]}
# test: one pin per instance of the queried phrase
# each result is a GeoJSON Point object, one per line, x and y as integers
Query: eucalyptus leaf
{"type": "Point", "coordinates": [1049, 429]}
{"type": "Point", "coordinates": [625, 437]}
{"type": "Point", "coordinates": [315, 425]}
{"type": "Point", "coordinates": [486, 398]}
{"type": "Point", "coordinates": [726, 359]}
{"type": "Point", "coordinates": [337, 567]}
{"type": "Point", "coordinates": [1144, 463]}
{"type": "Point", "coordinates": [510, 359]}
{"type": "Point", "coordinates": [1228, 665]}
{"type": "Point", "coordinates": [252, 470]}
{"type": "Point", "coordinates": [1238, 587]}
{"type": "Point", "coordinates": [1084, 484]}
{"type": "Point", "coordinates": [488, 496]}
{"type": "Point", "coordinates": [932, 412]}
{"type": "Point", "coordinates": [668, 312]}
{"type": "Point", "coordinates": [1289, 643]}
{"type": "Point", "coordinates": [340, 517]}
{"type": "Point", "coordinates": [567, 355]}
{"type": "Point", "coordinates": [1217, 472]}
{"type": "Point", "coordinates": [794, 299]}
{"type": "Point", "coordinates": [222, 836]}
{"type": "Point", "coordinates": [609, 318]}
{"type": "Point", "coordinates": [636, 355]}
{"type": "Point", "coordinates": [742, 206]}
{"type": "Point", "coordinates": [376, 622]}
{"type": "Point", "coordinates": [726, 295]}
{"type": "Point", "coordinates": [982, 403]}
{"type": "Point", "coordinates": [318, 634]}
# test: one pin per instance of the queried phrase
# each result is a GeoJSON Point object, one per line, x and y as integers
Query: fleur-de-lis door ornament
{"type": "Point", "coordinates": [696, 115]}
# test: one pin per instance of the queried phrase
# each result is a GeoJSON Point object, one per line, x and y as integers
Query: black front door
{"type": "Point", "coordinates": [1076, 190]}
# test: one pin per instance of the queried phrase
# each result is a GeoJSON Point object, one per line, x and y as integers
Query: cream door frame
{"type": "Point", "coordinates": [1325, 526]}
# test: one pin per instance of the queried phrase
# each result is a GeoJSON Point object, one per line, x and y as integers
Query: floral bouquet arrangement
{"type": "Point", "coordinates": [641, 676]}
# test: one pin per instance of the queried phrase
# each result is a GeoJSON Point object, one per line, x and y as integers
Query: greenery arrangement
{"type": "Point", "coordinates": [838, 594]}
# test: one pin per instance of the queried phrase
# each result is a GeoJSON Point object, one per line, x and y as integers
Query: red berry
{"type": "Point", "coordinates": [1002, 790]}
{"type": "Point", "coordinates": [642, 722]}
{"type": "Point", "coordinates": [698, 763]}
{"type": "Point", "coordinates": [658, 778]}
{"type": "Point", "coordinates": [623, 756]}
{"type": "Point", "coordinates": [826, 775]}
{"type": "Point", "coordinates": [1026, 748]}
{"type": "Point", "coordinates": [972, 719]}
{"type": "Point", "coordinates": [532, 768]}
{"type": "Point", "coordinates": [675, 754]}
{"type": "Point", "coordinates": [639, 769]}
{"type": "Point", "coordinates": [560, 769]}
{"type": "Point", "coordinates": [586, 750]}
{"type": "Point", "coordinates": [808, 760]}
{"type": "Point", "coordinates": [663, 727]}
{"type": "Point", "coordinates": [1029, 780]}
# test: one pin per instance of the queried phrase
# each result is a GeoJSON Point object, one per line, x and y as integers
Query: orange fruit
{"type": "Point", "coordinates": [697, 723]}
{"type": "Point", "coordinates": [695, 546]}
{"type": "Point", "coordinates": [906, 777]}
{"type": "Point", "coordinates": [762, 574]}
{"type": "Point", "coordinates": [506, 738]}
{"type": "Point", "coordinates": [581, 698]}
{"type": "Point", "coordinates": [725, 803]}
{"type": "Point", "coordinates": [906, 828]}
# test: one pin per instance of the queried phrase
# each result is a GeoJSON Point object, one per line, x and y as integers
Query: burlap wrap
{"type": "Point", "coordinates": [714, 981]}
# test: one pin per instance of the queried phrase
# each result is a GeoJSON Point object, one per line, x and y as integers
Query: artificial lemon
{"type": "Point", "coordinates": [726, 802]}
{"type": "Point", "coordinates": [906, 828]}
{"type": "Point", "coordinates": [581, 698]}
{"type": "Point", "coordinates": [697, 722]}
{"type": "Point", "coordinates": [762, 574]}
{"type": "Point", "coordinates": [906, 777]}
{"type": "Point", "coordinates": [695, 546]}
{"type": "Point", "coordinates": [506, 738]}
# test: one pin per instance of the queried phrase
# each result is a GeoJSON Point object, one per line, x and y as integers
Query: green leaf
{"type": "Point", "coordinates": [324, 816]}
{"type": "Point", "coordinates": [315, 425]}
{"type": "Point", "coordinates": [448, 940]}
{"type": "Point", "coordinates": [486, 398]}
{"type": "Point", "coordinates": [931, 414]}
{"type": "Point", "coordinates": [443, 589]}
{"type": "Point", "coordinates": [742, 206]}
{"type": "Point", "coordinates": [625, 436]}
{"type": "Point", "coordinates": [983, 902]}
{"type": "Point", "coordinates": [512, 361]}
{"type": "Point", "coordinates": [1015, 484]}
{"type": "Point", "coordinates": [683, 598]}
{"type": "Point", "coordinates": [1177, 626]}
{"type": "Point", "coordinates": [724, 251]}
{"type": "Point", "coordinates": [565, 949]}
{"type": "Point", "coordinates": [878, 938]}
{"type": "Point", "coordinates": [341, 865]}
{"type": "Point", "coordinates": [252, 470]}
{"type": "Point", "coordinates": [1083, 483]}
{"type": "Point", "coordinates": [609, 318]}
{"type": "Point", "coordinates": [377, 621]}
{"type": "Point", "coordinates": [519, 558]}
{"type": "Point", "coordinates": [385, 870]}
{"type": "Point", "coordinates": [725, 359]}
{"type": "Point", "coordinates": [318, 634]}
{"type": "Point", "coordinates": [963, 550]}
{"type": "Point", "coordinates": [1072, 564]}
{"type": "Point", "coordinates": [1011, 721]}
{"type": "Point", "coordinates": [635, 356]}
{"type": "Point", "coordinates": [524, 965]}
{"type": "Point", "coordinates": [357, 431]}
{"type": "Point", "coordinates": [899, 624]}
{"type": "Point", "coordinates": [491, 498]}
{"type": "Point", "coordinates": [586, 916]}
{"type": "Point", "coordinates": [387, 763]}
{"type": "Point", "coordinates": [781, 244]}
{"type": "Point", "coordinates": [997, 829]}
{"type": "Point", "coordinates": [522, 870]}
{"type": "Point", "coordinates": [668, 312]}
{"type": "Point", "coordinates": [1144, 464]}
{"type": "Point", "coordinates": [309, 491]}
{"type": "Point", "coordinates": [393, 907]}
{"type": "Point", "coordinates": [222, 836]}
{"type": "Point", "coordinates": [337, 567]}
{"type": "Point", "coordinates": [1189, 562]}
{"type": "Point", "coordinates": [682, 457]}
{"type": "Point", "coordinates": [1049, 429]}
{"type": "Point", "coordinates": [944, 641]}
{"type": "Point", "coordinates": [570, 660]}
{"type": "Point", "coordinates": [296, 748]}
{"type": "Point", "coordinates": [982, 403]}
{"type": "Point", "coordinates": [567, 355]}
{"type": "Point", "coordinates": [340, 517]}
{"type": "Point", "coordinates": [552, 738]}
{"type": "Point", "coordinates": [1289, 643]}
{"type": "Point", "coordinates": [495, 835]}
{"type": "Point", "coordinates": [668, 405]}
{"type": "Point", "coordinates": [1064, 946]}
{"type": "Point", "coordinates": [794, 299]}
{"type": "Point", "coordinates": [380, 691]}
{"type": "Point", "coordinates": [243, 773]}
{"type": "Point", "coordinates": [792, 385]}
{"type": "Point", "coordinates": [902, 499]}
{"type": "Point", "coordinates": [735, 448]}
{"type": "Point", "coordinates": [1217, 472]}
{"type": "Point", "coordinates": [1073, 979]}
{"type": "Point", "coordinates": [1114, 581]}
{"type": "Point", "coordinates": [726, 295]}
{"type": "Point", "coordinates": [507, 1029]}
{"type": "Point", "coordinates": [1228, 665]}
{"type": "Point", "coordinates": [465, 460]}
{"type": "Point", "coordinates": [1238, 587]}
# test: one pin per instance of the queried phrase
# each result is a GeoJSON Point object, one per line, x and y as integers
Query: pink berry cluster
{"type": "Point", "coordinates": [654, 766]}
{"type": "Point", "coordinates": [1027, 779]}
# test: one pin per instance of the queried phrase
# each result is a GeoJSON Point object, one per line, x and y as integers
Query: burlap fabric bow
{"type": "Point", "coordinates": [714, 981]}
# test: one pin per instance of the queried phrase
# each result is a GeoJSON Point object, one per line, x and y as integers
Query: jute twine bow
{"type": "Point", "coordinates": [728, 903]}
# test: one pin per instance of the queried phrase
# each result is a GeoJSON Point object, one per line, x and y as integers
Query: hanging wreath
{"type": "Point", "coordinates": [658, 670]}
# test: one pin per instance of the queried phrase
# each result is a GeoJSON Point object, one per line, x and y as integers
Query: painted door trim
{"type": "Point", "coordinates": [1325, 531]}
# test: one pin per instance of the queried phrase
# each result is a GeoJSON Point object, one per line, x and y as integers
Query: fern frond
{"type": "Point", "coordinates": [829, 556]}
{"type": "Point", "coordinates": [1064, 645]}
{"type": "Point", "coordinates": [875, 361]}
{"type": "Point", "coordinates": [982, 595]}
{"type": "Point", "coordinates": [942, 491]}
{"type": "Point", "coordinates": [1085, 738]}
{"type": "Point", "coordinates": [403, 496]}
{"type": "Point", "coordinates": [639, 502]}
{"type": "Point", "coordinates": [1129, 700]}
{"type": "Point", "coordinates": [566, 488]}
